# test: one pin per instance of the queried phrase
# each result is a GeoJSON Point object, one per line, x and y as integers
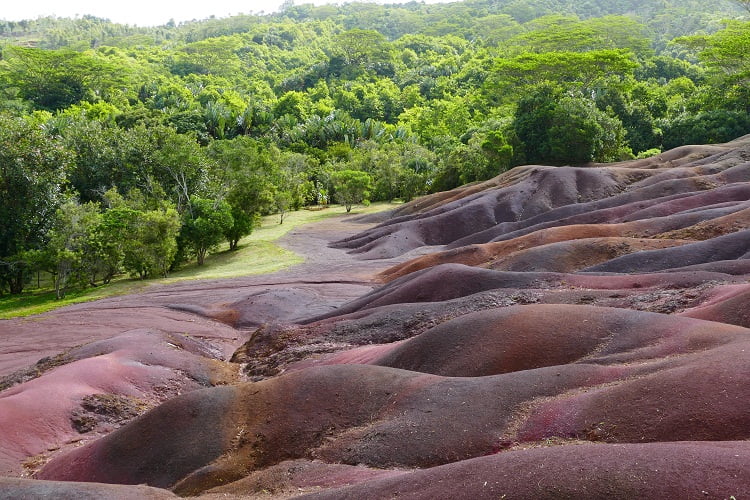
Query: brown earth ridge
{"type": "Point", "coordinates": [554, 332]}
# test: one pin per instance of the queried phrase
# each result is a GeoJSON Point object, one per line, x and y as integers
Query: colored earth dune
{"type": "Point", "coordinates": [555, 332]}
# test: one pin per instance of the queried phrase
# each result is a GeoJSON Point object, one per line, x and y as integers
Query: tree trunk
{"type": "Point", "coordinates": [16, 282]}
{"type": "Point", "coordinates": [61, 279]}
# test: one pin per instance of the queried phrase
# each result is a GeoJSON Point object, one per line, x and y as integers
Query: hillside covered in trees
{"type": "Point", "coordinates": [136, 149]}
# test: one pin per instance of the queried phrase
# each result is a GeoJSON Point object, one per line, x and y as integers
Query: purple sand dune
{"type": "Point", "coordinates": [450, 281]}
{"type": "Point", "coordinates": [727, 304]}
{"type": "Point", "coordinates": [626, 379]}
{"type": "Point", "coordinates": [632, 368]}
{"type": "Point", "coordinates": [98, 387]}
{"type": "Point", "coordinates": [28, 489]}
{"type": "Point", "coordinates": [616, 471]}
{"type": "Point", "coordinates": [694, 224]}
{"type": "Point", "coordinates": [592, 213]}
{"type": "Point", "coordinates": [536, 195]}
{"type": "Point", "coordinates": [729, 247]}
{"type": "Point", "coordinates": [527, 337]}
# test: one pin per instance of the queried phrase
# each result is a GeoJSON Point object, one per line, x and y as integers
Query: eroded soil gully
{"type": "Point", "coordinates": [23, 341]}
{"type": "Point", "coordinates": [141, 366]}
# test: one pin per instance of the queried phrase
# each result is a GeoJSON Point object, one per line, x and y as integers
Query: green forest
{"type": "Point", "coordinates": [134, 150]}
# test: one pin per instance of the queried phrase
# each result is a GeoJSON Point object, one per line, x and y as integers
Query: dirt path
{"type": "Point", "coordinates": [144, 348]}
{"type": "Point", "coordinates": [328, 278]}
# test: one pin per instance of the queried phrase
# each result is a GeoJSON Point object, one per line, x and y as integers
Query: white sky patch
{"type": "Point", "coordinates": [147, 12]}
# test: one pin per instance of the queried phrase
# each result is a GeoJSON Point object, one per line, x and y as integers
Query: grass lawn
{"type": "Point", "coordinates": [257, 254]}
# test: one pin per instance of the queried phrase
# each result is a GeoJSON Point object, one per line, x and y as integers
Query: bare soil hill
{"type": "Point", "coordinates": [554, 332]}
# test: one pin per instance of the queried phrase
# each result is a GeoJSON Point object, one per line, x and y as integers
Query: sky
{"type": "Point", "coordinates": [146, 12]}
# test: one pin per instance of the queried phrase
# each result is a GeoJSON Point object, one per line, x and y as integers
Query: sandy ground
{"type": "Point", "coordinates": [595, 332]}
{"type": "Point", "coordinates": [328, 278]}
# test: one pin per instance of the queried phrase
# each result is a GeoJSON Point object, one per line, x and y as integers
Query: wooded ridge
{"type": "Point", "coordinates": [137, 149]}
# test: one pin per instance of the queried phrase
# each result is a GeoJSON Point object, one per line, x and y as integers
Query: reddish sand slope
{"type": "Point", "coordinates": [210, 437]}
{"type": "Point", "coordinates": [661, 470]}
{"type": "Point", "coordinates": [522, 378]}
{"type": "Point", "coordinates": [555, 332]}
{"type": "Point", "coordinates": [544, 194]}
{"type": "Point", "coordinates": [13, 488]}
{"type": "Point", "coordinates": [97, 387]}
{"type": "Point", "coordinates": [690, 225]}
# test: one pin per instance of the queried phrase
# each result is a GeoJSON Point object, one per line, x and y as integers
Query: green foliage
{"type": "Point", "coordinates": [152, 242]}
{"type": "Point", "coordinates": [499, 152]}
{"type": "Point", "coordinates": [69, 249]}
{"type": "Point", "coordinates": [725, 52]}
{"type": "Point", "coordinates": [54, 80]}
{"type": "Point", "coordinates": [706, 127]}
{"type": "Point", "coordinates": [204, 226]}
{"type": "Point", "coordinates": [247, 175]}
{"type": "Point", "coordinates": [648, 153]}
{"type": "Point", "coordinates": [725, 56]}
{"type": "Point", "coordinates": [180, 165]}
{"type": "Point", "coordinates": [563, 129]}
{"type": "Point", "coordinates": [351, 187]}
{"type": "Point", "coordinates": [557, 33]}
{"type": "Point", "coordinates": [33, 170]}
{"type": "Point", "coordinates": [582, 71]}
{"type": "Point", "coordinates": [107, 243]}
{"type": "Point", "coordinates": [358, 50]}
{"type": "Point", "coordinates": [257, 114]}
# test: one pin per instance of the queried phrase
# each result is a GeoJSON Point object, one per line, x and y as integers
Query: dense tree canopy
{"type": "Point", "coordinates": [33, 172]}
{"type": "Point", "coordinates": [126, 149]}
{"type": "Point", "coordinates": [351, 186]}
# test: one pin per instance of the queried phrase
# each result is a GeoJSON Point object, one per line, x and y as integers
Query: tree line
{"type": "Point", "coordinates": [135, 150]}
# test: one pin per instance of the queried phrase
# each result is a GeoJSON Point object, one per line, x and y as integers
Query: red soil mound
{"type": "Point", "coordinates": [293, 477]}
{"type": "Point", "coordinates": [712, 228]}
{"type": "Point", "coordinates": [691, 225]}
{"type": "Point", "coordinates": [215, 436]}
{"type": "Point", "coordinates": [275, 348]}
{"type": "Point", "coordinates": [698, 396]}
{"type": "Point", "coordinates": [545, 188]}
{"type": "Point", "coordinates": [729, 247]}
{"type": "Point", "coordinates": [527, 337]}
{"type": "Point", "coordinates": [548, 193]}
{"type": "Point", "coordinates": [727, 304]}
{"type": "Point", "coordinates": [25, 342]}
{"type": "Point", "coordinates": [623, 208]}
{"type": "Point", "coordinates": [633, 366]}
{"type": "Point", "coordinates": [98, 387]}
{"type": "Point", "coordinates": [26, 489]}
{"type": "Point", "coordinates": [451, 281]}
{"type": "Point", "coordinates": [663, 470]}
{"type": "Point", "coordinates": [576, 254]}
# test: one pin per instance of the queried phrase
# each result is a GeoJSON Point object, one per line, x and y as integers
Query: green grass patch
{"type": "Point", "coordinates": [40, 301]}
{"type": "Point", "coordinates": [257, 254]}
{"type": "Point", "coordinates": [252, 257]}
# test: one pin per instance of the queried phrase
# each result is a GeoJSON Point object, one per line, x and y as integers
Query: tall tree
{"type": "Point", "coordinates": [516, 76]}
{"type": "Point", "coordinates": [33, 168]}
{"type": "Point", "coordinates": [247, 171]}
{"type": "Point", "coordinates": [351, 187]}
{"type": "Point", "coordinates": [68, 248]}
{"type": "Point", "coordinates": [204, 226]}
{"type": "Point", "coordinates": [151, 246]}
{"type": "Point", "coordinates": [53, 80]}
{"type": "Point", "coordinates": [557, 128]}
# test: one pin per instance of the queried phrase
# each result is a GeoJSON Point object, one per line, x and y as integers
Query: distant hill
{"type": "Point", "coordinates": [666, 19]}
